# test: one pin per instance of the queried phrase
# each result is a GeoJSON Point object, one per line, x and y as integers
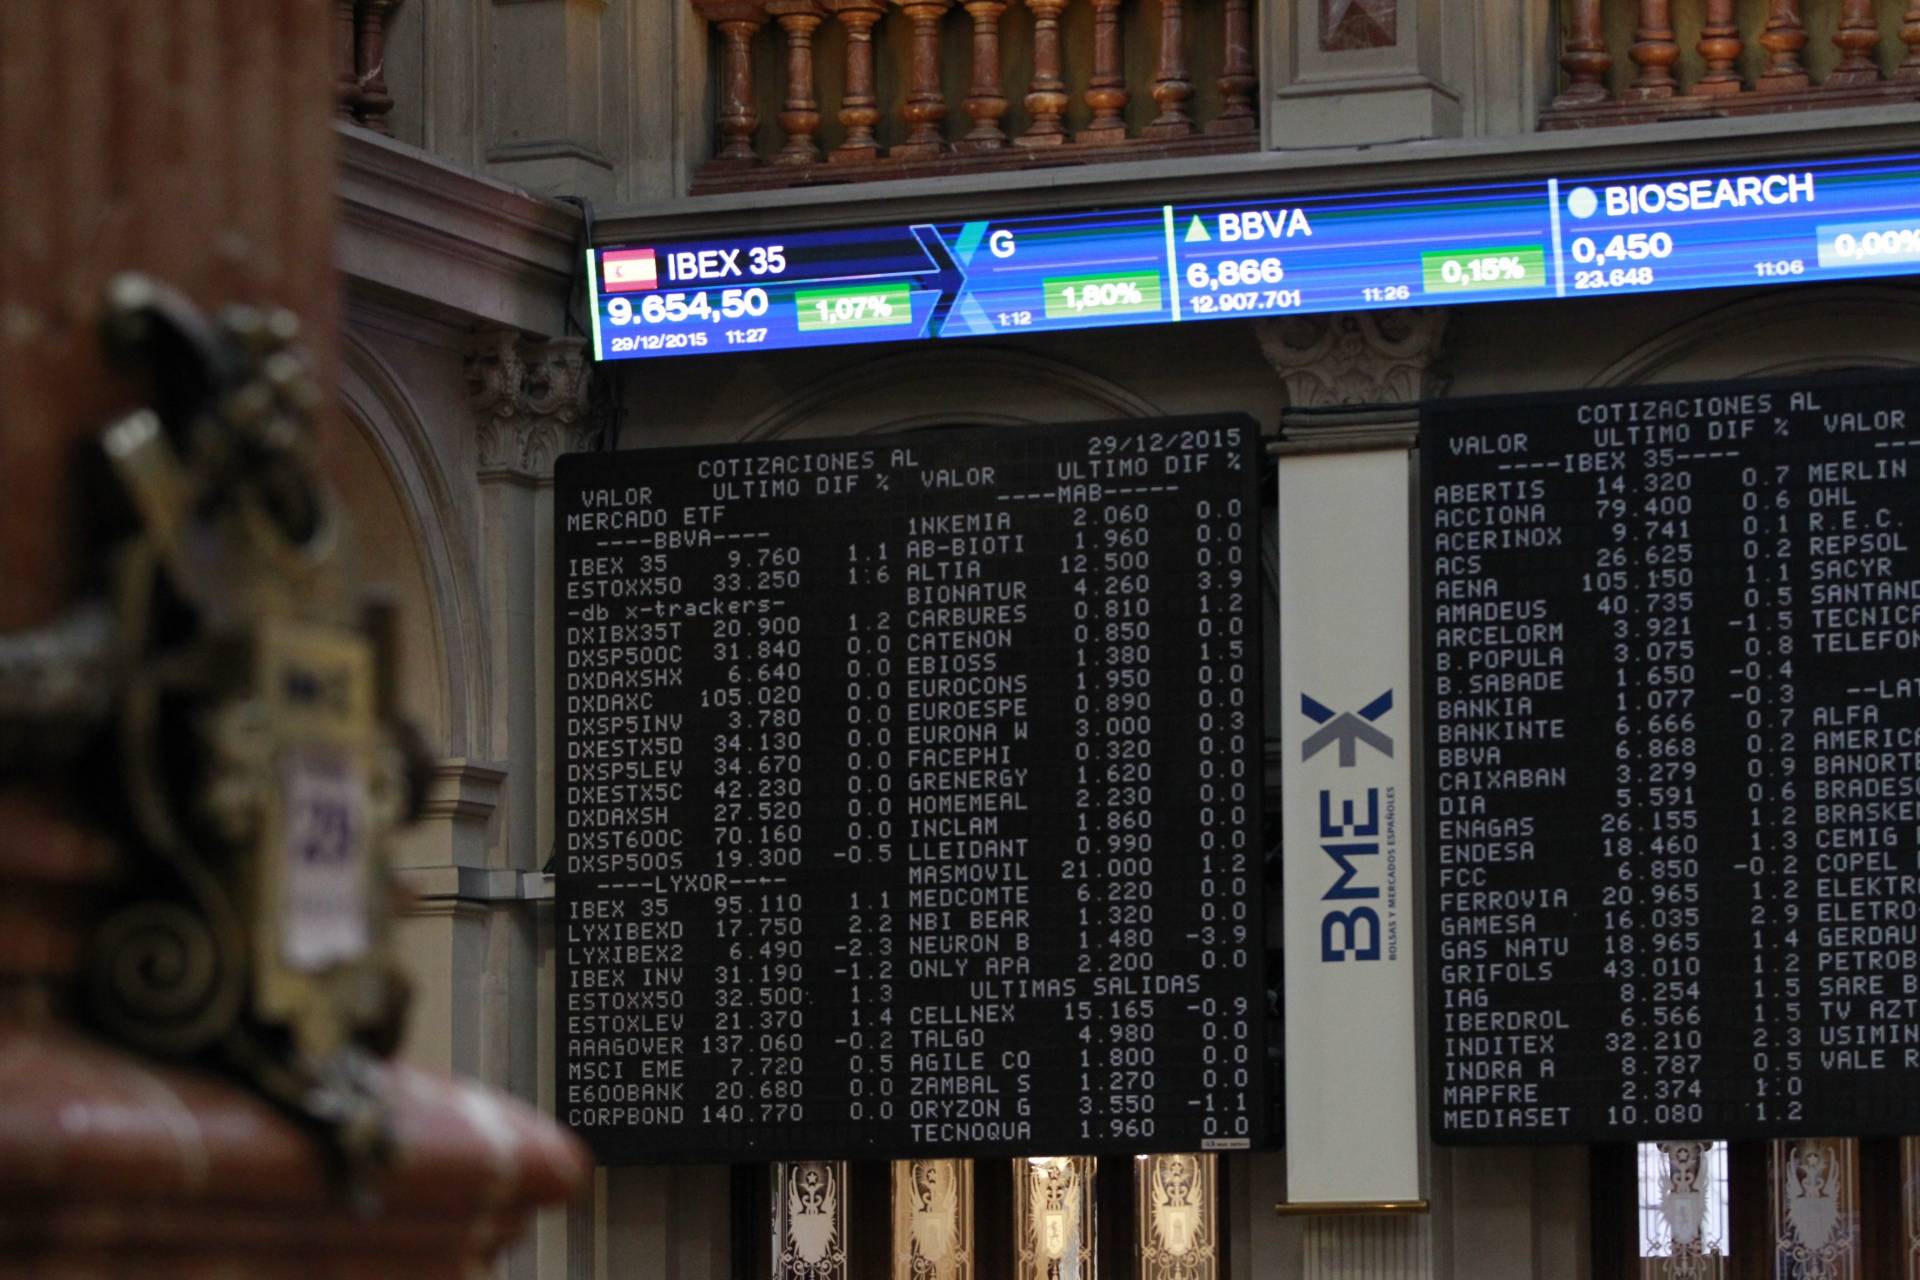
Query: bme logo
{"type": "Point", "coordinates": [1349, 829]}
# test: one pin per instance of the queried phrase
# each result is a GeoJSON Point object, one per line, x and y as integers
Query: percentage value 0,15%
{"type": "Point", "coordinates": [1466, 270]}
{"type": "Point", "coordinates": [677, 308]}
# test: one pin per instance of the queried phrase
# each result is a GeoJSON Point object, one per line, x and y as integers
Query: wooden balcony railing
{"type": "Point", "coordinates": [359, 61]}
{"type": "Point", "coordinates": [813, 91]}
{"type": "Point", "coordinates": [1630, 61]}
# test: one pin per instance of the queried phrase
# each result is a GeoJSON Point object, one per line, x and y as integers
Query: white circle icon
{"type": "Point", "coordinates": [1582, 203]}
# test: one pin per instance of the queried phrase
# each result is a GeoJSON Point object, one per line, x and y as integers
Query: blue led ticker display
{"type": "Point", "coordinates": [1171, 264]}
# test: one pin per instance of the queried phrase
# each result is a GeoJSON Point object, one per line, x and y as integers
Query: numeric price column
{"type": "Point", "coordinates": [864, 957]}
{"type": "Point", "coordinates": [1223, 791]}
{"type": "Point", "coordinates": [1764, 691]}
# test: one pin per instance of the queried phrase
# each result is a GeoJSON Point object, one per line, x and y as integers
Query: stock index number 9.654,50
{"type": "Point", "coordinates": [714, 306]}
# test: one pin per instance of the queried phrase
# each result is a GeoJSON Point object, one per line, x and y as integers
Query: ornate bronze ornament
{"type": "Point", "coordinates": [236, 694]}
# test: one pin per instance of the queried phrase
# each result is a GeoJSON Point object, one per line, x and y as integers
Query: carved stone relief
{"type": "Point", "coordinates": [1356, 358]}
{"type": "Point", "coordinates": [530, 399]}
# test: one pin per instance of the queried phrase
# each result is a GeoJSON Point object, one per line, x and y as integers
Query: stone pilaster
{"type": "Point", "coordinates": [1354, 382]}
{"type": "Point", "coordinates": [530, 399]}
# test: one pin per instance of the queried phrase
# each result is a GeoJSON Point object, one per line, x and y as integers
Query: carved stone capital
{"type": "Point", "coordinates": [1356, 358]}
{"type": "Point", "coordinates": [529, 399]}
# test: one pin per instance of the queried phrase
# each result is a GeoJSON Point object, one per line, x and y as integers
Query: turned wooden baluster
{"type": "Point", "coordinates": [1783, 40]}
{"type": "Point", "coordinates": [1171, 87]}
{"type": "Point", "coordinates": [1857, 36]}
{"type": "Point", "coordinates": [859, 112]}
{"type": "Point", "coordinates": [1654, 52]}
{"type": "Point", "coordinates": [1047, 99]}
{"type": "Point", "coordinates": [1910, 36]}
{"type": "Point", "coordinates": [1720, 49]}
{"type": "Point", "coordinates": [1585, 58]}
{"type": "Point", "coordinates": [346, 83]}
{"type": "Point", "coordinates": [737, 21]}
{"type": "Point", "coordinates": [926, 108]}
{"type": "Point", "coordinates": [1237, 80]}
{"type": "Point", "coordinates": [799, 112]}
{"type": "Point", "coordinates": [986, 102]}
{"type": "Point", "coordinates": [373, 102]}
{"type": "Point", "coordinates": [1107, 86]}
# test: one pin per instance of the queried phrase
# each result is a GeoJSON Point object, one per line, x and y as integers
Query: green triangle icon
{"type": "Point", "coordinates": [1197, 230]}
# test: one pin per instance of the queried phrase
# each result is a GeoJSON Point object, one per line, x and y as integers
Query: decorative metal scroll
{"type": "Point", "coordinates": [1683, 1210]}
{"type": "Point", "coordinates": [810, 1220]}
{"type": "Point", "coordinates": [238, 688]}
{"type": "Point", "coordinates": [1816, 1208]}
{"type": "Point", "coordinates": [933, 1220]}
{"type": "Point", "coordinates": [1177, 1204]}
{"type": "Point", "coordinates": [1053, 1218]}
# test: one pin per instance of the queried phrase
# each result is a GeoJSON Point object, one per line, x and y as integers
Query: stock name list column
{"type": "Point", "coordinates": [1673, 762]}
{"type": "Point", "coordinates": [905, 794]}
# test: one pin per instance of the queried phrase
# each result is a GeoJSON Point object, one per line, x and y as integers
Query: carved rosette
{"type": "Point", "coordinates": [1356, 358]}
{"type": "Point", "coordinates": [530, 399]}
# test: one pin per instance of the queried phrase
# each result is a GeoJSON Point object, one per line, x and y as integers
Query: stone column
{"type": "Point", "coordinates": [529, 398]}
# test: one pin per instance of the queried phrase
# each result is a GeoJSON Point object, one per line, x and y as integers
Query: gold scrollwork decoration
{"type": "Point", "coordinates": [239, 687]}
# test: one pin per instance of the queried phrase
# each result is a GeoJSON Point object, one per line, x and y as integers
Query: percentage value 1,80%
{"type": "Point", "coordinates": [1100, 297]}
{"type": "Point", "coordinates": [1118, 293]}
{"type": "Point", "coordinates": [673, 308]}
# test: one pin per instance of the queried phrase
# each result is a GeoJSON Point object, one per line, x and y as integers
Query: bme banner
{"type": "Point", "coordinates": [1347, 810]}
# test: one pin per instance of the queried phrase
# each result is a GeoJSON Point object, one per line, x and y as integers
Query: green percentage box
{"type": "Point", "coordinates": [1114, 294]}
{"type": "Point", "coordinates": [1465, 270]}
{"type": "Point", "coordinates": [855, 307]}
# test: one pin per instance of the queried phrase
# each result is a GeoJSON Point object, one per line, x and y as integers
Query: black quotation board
{"type": "Point", "coordinates": [1672, 668]}
{"type": "Point", "coordinates": [909, 795]}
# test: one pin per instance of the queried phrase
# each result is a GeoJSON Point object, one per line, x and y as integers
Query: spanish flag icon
{"type": "Point", "coordinates": [625, 270]}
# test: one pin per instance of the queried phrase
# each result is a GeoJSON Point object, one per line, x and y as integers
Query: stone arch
{"type": "Point", "coordinates": [389, 431]}
{"type": "Point", "coordinates": [1869, 326]}
{"type": "Point", "coordinates": [944, 388]}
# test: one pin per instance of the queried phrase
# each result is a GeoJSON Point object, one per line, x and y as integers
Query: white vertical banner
{"type": "Point", "coordinates": [1347, 820]}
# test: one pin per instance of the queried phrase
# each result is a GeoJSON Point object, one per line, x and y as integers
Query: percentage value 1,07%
{"type": "Point", "coordinates": [1112, 294]}
{"type": "Point", "coordinates": [858, 307]}
{"type": "Point", "coordinates": [1463, 270]}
